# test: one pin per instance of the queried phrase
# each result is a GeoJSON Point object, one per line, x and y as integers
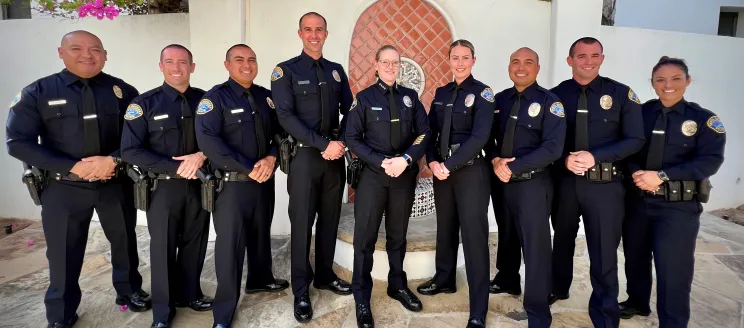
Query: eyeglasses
{"type": "Point", "coordinates": [386, 63]}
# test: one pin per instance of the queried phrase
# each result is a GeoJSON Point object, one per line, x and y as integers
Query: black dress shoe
{"type": "Point", "coordinates": [476, 323]}
{"type": "Point", "coordinates": [204, 303]}
{"type": "Point", "coordinates": [159, 325]}
{"type": "Point", "coordinates": [407, 298]}
{"type": "Point", "coordinates": [303, 309]}
{"type": "Point", "coordinates": [137, 302]}
{"type": "Point", "coordinates": [628, 310]}
{"type": "Point", "coordinates": [364, 316]}
{"type": "Point", "coordinates": [555, 297]}
{"type": "Point", "coordinates": [277, 286]}
{"type": "Point", "coordinates": [430, 288]}
{"type": "Point", "coordinates": [337, 286]}
{"type": "Point", "coordinates": [494, 288]}
{"type": "Point", "coordinates": [65, 324]}
{"type": "Point", "coordinates": [220, 326]}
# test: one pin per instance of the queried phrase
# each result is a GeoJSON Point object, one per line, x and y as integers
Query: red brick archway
{"type": "Point", "coordinates": [420, 33]}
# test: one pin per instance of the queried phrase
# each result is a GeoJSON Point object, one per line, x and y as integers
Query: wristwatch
{"type": "Point", "coordinates": [663, 176]}
{"type": "Point", "coordinates": [117, 160]}
{"type": "Point", "coordinates": [408, 159]}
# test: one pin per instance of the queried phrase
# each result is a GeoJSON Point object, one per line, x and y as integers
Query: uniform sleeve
{"type": "Point", "coordinates": [134, 141]}
{"type": "Point", "coordinates": [129, 94]}
{"type": "Point", "coordinates": [208, 126]}
{"type": "Point", "coordinates": [478, 135]}
{"type": "Point", "coordinates": [23, 128]}
{"type": "Point", "coordinates": [281, 88]}
{"type": "Point", "coordinates": [490, 148]}
{"type": "Point", "coordinates": [431, 151]}
{"type": "Point", "coordinates": [423, 133]}
{"type": "Point", "coordinates": [553, 139]}
{"type": "Point", "coordinates": [355, 135]}
{"type": "Point", "coordinates": [631, 118]}
{"type": "Point", "coordinates": [346, 99]}
{"type": "Point", "coordinates": [275, 129]}
{"type": "Point", "coordinates": [708, 154]}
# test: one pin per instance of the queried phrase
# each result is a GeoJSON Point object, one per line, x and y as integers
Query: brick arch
{"type": "Point", "coordinates": [417, 29]}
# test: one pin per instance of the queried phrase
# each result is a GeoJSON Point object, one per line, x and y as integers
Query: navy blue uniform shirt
{"type": "Point", "coordinates": [694, 141]}
{"type": "Point", "coordinates": [540, 132]}
{"type": "Point", "coordinates": [225, 127]}
{"type": "Point", "coordinates": [152, 128]}
{"type": "Point", "coordinates": [615, 123]}
{"type": "Point", "coordinates": [294, 84]}
{"type": "Point", "coordinates": [52, 108]}
{"type": "Point", "coordinates": [369, 123]}
{"type": "Point", "coordinates": [472, 117]}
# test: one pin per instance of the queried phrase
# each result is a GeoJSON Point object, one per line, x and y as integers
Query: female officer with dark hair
{"type": "Point", "coordinates": [460, 117]}
{"type": "Point", "coordinates": [670, 177]}
{"type": "Point", "coordinates": [389, 130]}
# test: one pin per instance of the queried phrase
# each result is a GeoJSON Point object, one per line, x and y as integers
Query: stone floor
{"type": "Point", "coordinates": [717, 292]}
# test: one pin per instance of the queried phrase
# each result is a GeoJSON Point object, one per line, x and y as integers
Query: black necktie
{"type": "Point", "coordinates": [92, 142]}
{"type": "Point", "coordinates": [444, 143]}
{"type": "Point", "coordinates": [187, 127]}
{"type": "Point", "coordinates": [258, 125]}
{"type": "Point", "coordinates": [325, 122]}
{"type": "Point", "coordinates": [582, 122]}
{"type": "Point", "coordinates": [394, 121]}
{"type": "Point", "coordinates": [656, 147]}
{"type": "Point", "coordinates": [507, 146]}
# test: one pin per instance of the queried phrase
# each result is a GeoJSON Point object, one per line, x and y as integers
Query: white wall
{"type": "Point", "coordinates": [30, 52]}
{"type": "Point", "coordinates": [716, 85]}
{"type": "Point", "coordinates": [692, 16]}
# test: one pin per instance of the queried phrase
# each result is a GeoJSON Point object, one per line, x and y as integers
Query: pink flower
{"type": "Point", "coordinates": [97, 9]}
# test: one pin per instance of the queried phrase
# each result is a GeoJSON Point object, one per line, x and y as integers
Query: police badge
{"type": "Point", "coordinates": [336, 76]}
{"type": "Point", "coordinates": [605, 102]}
{"type": "Point", "coordinates": [689, 128]}
{"type": "Point", "coordinates": [534, 109]}
{"type": "Point", "coordinates": [407, 101]}
{"type": "Point", "coordinates": [117, 92]}
{"type": "Point", "coordinates": [469, 100]}
{"type": "Point", "coordinates": [271, 103]}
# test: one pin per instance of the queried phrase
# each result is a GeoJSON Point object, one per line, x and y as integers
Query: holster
{"type": "Point", "coordinates": [211, 185]}
{"type": "Point", "coordinates": [452, 150]}
{"type": "Point", "coordinates": [703, 190]}
{"type": "Point", "coordinates": [604, 172]}
{"type": "Point", "coordinates": [353, 170]}
{"type": "Point", "coordinates": [287, 150]}
{"type": "Point", "coordinates": [33, 178]}
{"type": "Point", "coordinates": [142, 190]}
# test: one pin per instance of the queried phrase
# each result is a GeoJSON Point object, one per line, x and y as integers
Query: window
{"type": "Point", "coordinates": [727, 23]}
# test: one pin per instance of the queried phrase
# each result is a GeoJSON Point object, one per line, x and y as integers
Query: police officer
{"type": "Point", "coordinates": [460, 117]}
{"type": "Point", "coordinates": [669, 177]}
{"type": "Point", "coordinates": [605, 126]}
{"type": "Point", "coordinates": [78, 115]}
{"type": "Point", "coordinates": [388, 129]}
{"type": "Point", "coordinates": [532, 131]}
{"type": "Point", "coordinates": [310, 91]}
{"type": "Point", "coordinates": [235, 123]}
{"type": "Point", "coordinates": [159, 137]}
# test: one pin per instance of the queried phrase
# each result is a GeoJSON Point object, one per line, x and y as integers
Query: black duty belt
{"type": "Point", "coordinates": [526, 175]}
{"type": "Point", "coordinates": [118, 171]}
{"type": "Point", "coordinates": [674, 191]}
{"type": "Point", "coordinates": [603, 172]}
{"type": "Point", "coordinates": [236, 176]}
{"type": "Point", "coordinates": [168, 177]}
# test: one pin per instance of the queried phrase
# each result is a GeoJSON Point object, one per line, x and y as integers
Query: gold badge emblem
{"type": "Point", "coordinates": [407, 101]}
{"type": "Point", "coordinates": [469, 100]}
{"type": "Point", "coordinates": [117, 92]}
{"type": "Point", "coordinates": [689, 128]}
{"type": "Point", "coordinates": [557, 109]}
{"type": "Point", "coordinates": [133, 111]}
{"type": "Point", "coordinates": [277, 73]}
{"type": "Point", "coordinates": [534, 109]}
{"type": "Point", "coordinates": [205, 106]}
{"type": "Point", "coordinates": [605, 102]}
{"type": "Point", "coordinates": [271, 103]}
{"type": "Point", "coordinates": [634, 97]}
{"type": "Point", "coordinates": [336, 76]}
{"type": "Point", "coordinates": [715, 124]}
{"type": "Point", "coordinates": [488, 95]}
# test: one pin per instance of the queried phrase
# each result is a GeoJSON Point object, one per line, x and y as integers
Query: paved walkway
{"type": "Point", "coordinates": [717, 292]}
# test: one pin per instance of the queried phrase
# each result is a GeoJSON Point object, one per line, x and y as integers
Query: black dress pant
{"type": "Point", "coordinates": [179, 231]}
{"type": "Point", "coordinates": [508, 252]}
{"type": "Point", "coordinates": [378, 193]}
{"type": "Point", "coordinates": [315, 187]}
{"type": "Point", "coordinates": [66, 211]}
{"type": "Point", "coordinates": [462, 206]}
{"type": "Point", "coordinates": [602, 205]}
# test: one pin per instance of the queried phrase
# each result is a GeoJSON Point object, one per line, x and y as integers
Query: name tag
{"type": "Point", "coordinates": [236, 111]}
{"type": "Point", "coordinates": [57, 102]}
{"type": "Point", "coordinates": [376, 108]}
{"type": "Point", "coordinates": [438, 103]}
{"type": "Point", "coordinates": [303, 82]}
{"type": "Point", "coordinates": [160, 117]}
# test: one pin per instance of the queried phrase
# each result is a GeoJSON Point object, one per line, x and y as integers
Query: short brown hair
{"type": "Point", "coordinates": [464, 43]}
{"type": "Point", "coordinates": [585, 40]}
{"type": "Point", "coordinates": [312, 13]}
{"type": "Point", "coordinates": [177, 46]}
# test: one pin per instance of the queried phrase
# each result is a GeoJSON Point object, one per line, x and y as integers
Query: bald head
{"type": "Point", "coordinates": [521, 52]}
{"type": "Point", "coordinates": [83, 53]}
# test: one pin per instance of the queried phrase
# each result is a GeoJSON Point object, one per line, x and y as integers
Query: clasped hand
{"type": "Point", "coordinates": [394, 166]}
{"type": "Point", "coordinates": [263, 170]}
{"type": "Point", "coordinates": [501, 169]}
{"type": "Point", "coordinates": [95, 168]}
{"type": "Point", "coordinates": [579, 162]}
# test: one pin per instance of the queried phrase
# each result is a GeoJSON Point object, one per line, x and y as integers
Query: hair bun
{"type": "Point", "coordinates": [663, 58]}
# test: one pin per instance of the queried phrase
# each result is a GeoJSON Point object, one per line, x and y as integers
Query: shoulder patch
{"type": "Point", "coordinates": [488, 94]}
{"type": "Point", "coordinates": [633, 96]}
{"type": "Point", "coordinates": [715, 124]}
{"type": "Point", "coordinates": [557, 109]}
{"type": "Point", "coordinates": [277, 73]}
{"type": "Point", "coordinates": [134, 111]}
{"type": "Point", "coordinates": [353, 104]}
{"type": "Point", "coordinates": [205, 106]}
{"type": "Point", "coordinates": [16, 99]}
{"type": "Point", "coordinates": [271, 103]}
{"type": "Point", "coordinates": [117, 92]}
